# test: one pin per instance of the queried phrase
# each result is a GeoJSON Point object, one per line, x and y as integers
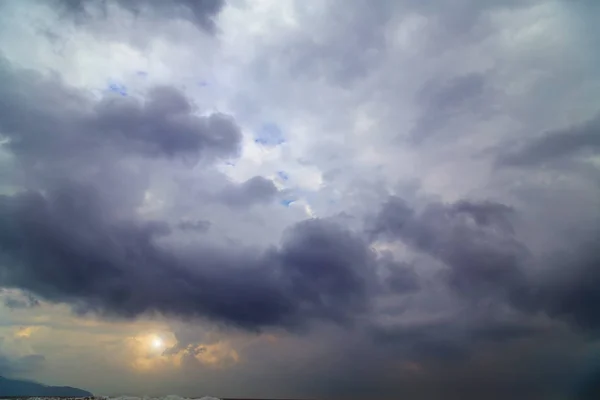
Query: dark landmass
{"type": "Point", "coordinates": [21, 388]}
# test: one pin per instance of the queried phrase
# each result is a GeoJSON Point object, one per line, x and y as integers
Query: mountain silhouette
{"type": "Point", "coordinates": [16, 387]}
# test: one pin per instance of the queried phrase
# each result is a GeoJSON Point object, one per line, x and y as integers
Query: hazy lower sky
{"type": "Point", "coordinates": [301, 198]}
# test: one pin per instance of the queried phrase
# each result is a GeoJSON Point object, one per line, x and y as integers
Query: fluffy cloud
{"type": "Point", "coordinates": [64, 241]}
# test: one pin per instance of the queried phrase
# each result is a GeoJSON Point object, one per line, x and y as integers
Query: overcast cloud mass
{"type": "Point", "coordinates": [285, 198]}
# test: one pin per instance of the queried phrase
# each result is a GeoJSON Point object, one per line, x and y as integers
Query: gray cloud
{"type": "Point", "coordinates": [254, 190]}
{"type": "Point", "coordinates": [101, 206]}
{"type": "Point", "coordinates": [200, 12]}
{"type": "Point", "coordinates": [579, 140]}
{"type": "Point", "coordinates": [475, 240]}
{"type": "Point", "coordinates": [572, 296]}
{"type": "Point", "coordinates": [23, 300]}
{"type": "Point", "coordinates": [71, 239]}
{"type": "Point", "coordinates": [400, 277]}
{"type": "Point", "coordinates": [346, 50]}
{"type": "Point", "coordinates": [66, 247]}
{"type": "Point", "coordinates": [197, 225]}
{"type": "Point", "coordinates": [164, 124]}
{"type": "Point", "coordinates": [441, 102]}
{"type": "Point", "coordinates": [44, 118]}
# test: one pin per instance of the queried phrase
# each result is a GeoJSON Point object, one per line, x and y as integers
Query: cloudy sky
{"type": "Point", "coordinates": [290, 198]}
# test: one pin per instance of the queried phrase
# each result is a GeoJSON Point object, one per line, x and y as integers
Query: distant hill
{"type": "Point", "coordinates": [15, 387]}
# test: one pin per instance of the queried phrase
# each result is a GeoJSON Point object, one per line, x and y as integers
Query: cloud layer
{"type": "Point", "coordinates": [402, 196]}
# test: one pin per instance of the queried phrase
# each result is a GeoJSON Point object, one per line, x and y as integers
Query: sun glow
{"type": "Point", "coordinates": [157, 343]}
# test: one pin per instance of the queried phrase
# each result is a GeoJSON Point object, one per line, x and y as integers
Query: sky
{"type": "Point", "coordinates": [301, 198]}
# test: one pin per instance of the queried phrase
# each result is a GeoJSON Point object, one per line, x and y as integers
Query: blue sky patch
{"type": "Point", "coordinates": [283, 175]}
{"type": "Point", "coordinates": [143, 74]}
{"type": "Point", "coordinates": [118, 88]}
{"type": "Point", "coordinates": [269, 135]}
{"type": "Point", "coordinates": [286, 203]}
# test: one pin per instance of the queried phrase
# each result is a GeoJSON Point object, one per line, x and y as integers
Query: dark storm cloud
{"type": "Point", "coordinates": [25, 300]}
{"type": "Point", "coordinates": [329, 266]}
{"type": "Point", "coordinates": [485, 259]}
{"type": "Point", "coordinates": [165, 124]}
{"type": "Point", "coordinates": [475, 240]}
{"type": "Point", "coordinates": [66, 247]}
{"type": "Point", "coordinates": [401, 277]}
{"type": "Point", "coordinates": [45, 119]}
{"type": "Point", "coordinates": [200, 12]}
{"type": "Point", "coordinates": [57, 133]}
{"type": "Point", "coordinates": [572, 294]}
{"type": "Point", "coordinates": [75, 237]}
{"type": "Point", "coordinates": [254, 190]}
{"type": "Point", "coordinates": [578, 140]}
{"type": "Point", "coordinates": [566, 287]}
{"type": "Point", "coordinates": [489, 325]}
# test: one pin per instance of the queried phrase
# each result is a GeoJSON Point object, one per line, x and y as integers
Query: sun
{"type": "Point", "coordinates": [157, 343]}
